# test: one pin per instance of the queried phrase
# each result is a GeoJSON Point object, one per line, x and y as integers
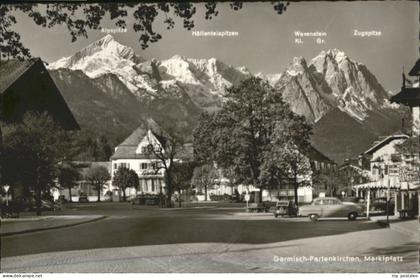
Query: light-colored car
{"type": "Point", "coordinates": [330, 207]}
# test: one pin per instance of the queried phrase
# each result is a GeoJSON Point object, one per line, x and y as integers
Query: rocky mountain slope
{"type": "Point", "coordinates": [109, 87]}
{"type": "Point", "coordinates": [331, 80]}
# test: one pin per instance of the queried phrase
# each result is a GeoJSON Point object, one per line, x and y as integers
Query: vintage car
{"type": "Point", "coordinates": [330, 207]}
{"type": "Point", "coordinates": [379, 205]}
{"type": "Point", "coordinates": [283, 208]}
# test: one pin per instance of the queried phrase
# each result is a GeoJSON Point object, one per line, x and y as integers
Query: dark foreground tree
{"type": "Point", "coordinates": [182, 175]}
{"type": "Point", "coordinates": [68, 175]}
{"type": "Point", "coordinates": [125, 178]}
{"type": "Point", "coordinates": [170, 144]}
{"type": "Point", "coordinates": [410, 148]}
{"type": "Point", "coordinates": [32, 150]}
{"type": "Point", "coordinates": [286, 161]}
{"type": "Point", "coordinates": [204, 178]}
{"type": "Point", "coordinates": [79, 18]}
{"type": "Point", "coordinates": [242, 135]}
{"type": "Point", "coordinates": [98, 176]}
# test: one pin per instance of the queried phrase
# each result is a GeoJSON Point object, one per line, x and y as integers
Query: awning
{"type": "Point", "coordinates": [394, 183]}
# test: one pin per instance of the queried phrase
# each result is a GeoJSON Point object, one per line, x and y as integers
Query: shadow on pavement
{"type": "Point", "coordinates": [412, 248]}
{"type": "Point", "coordinates": [171, 229]}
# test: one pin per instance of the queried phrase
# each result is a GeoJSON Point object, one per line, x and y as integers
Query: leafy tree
{"type": "Point", "coordinates": [328, 179]}
{"type": "Point", "coordinates": [253, 124]}
{"type": "Point", "coordinates": [170, 145]}
{"type": "Point", "coordinates": [86, 146]}
{"type": "Point", "coordinates": [287, 163]}
{"type": "Point", "coordinates": [32, 150]}
{"type": "Point", "coordinates": [68, 176]}
{"type": "Point", "coordinates": [81, 17]}
{"type": "Point", "coordinates": [125, 178]}
{"type": "Point", "coordinates": [204, 178]}
{"type": "Point", "coordinates": [182, 174]}
{"type": "Point", "coordinates": [411, 148]}
{"type": "Point", "coordinates": [98, 176]}
{"type": "Point", "coordinates": [105, 149]}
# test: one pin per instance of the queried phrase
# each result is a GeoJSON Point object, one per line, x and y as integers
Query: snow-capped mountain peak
{"type": "Point", "coordinates": [107, 56]}
{"type": "Point", "coordinates": [329, 80]}
{"type": "Point", "coordinates": [98, 57]}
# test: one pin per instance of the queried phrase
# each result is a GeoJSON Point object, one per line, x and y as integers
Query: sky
{"type": "Point", "coordinates": [266, 41]}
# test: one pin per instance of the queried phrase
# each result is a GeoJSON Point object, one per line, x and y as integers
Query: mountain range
{"type": "Point", "coordinates": [111, 90]}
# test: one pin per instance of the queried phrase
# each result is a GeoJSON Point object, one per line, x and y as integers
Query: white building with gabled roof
{"type": "Point", "coordinates": [134, 153]}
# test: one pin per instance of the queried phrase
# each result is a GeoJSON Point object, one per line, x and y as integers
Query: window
{"type": "Point", "coordinates": [319, 202]}
{"type": "Point", "coordinates": [146, 185]}
{"type": "Point", "coordinates": [331, 202]}
{"type": "Point", "coordinates": [153, 185]}
{"type": "Point", "coordinates": [143, 166]}
{"type": "Point", "coordinates": [143, 149]}
{"type": "Point", "coordinates": [125, 165]}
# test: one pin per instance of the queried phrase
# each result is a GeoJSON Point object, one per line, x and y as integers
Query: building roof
{"type": "Point", "coordinates": [415, 71]}
{"type": "Point", "coordinates": [407, 96]}
{"type": "Point", "coordinates": [11, 70]}
{"type": "Point", "coordinates": [315, 155]}
{"type": "Point", "coordinates": [385, 141]}
{"type": "Point", "coordinates": [394, 183]}
{"type": "Point", "coordinates": [25, 85]}
{"type": "Point", "coordinates": [352, 166]}
{"type": "Point", "coordinates": [84, 166]}
{"type": "Point", "coordinates": [127, 149]}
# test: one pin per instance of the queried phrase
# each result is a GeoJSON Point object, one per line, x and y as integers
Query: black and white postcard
{"type": "Point", "coordinates": [209, 137]}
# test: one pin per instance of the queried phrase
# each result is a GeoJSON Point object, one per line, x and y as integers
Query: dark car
{"type": "Point", "coordinates": [379, 205]}
{"type": "Point", "coordinates": [138, 200]}
{"type": "Point", "coordinates": [24, 204]}
{"type": "Point", "coordinates": [284, 208]}
{"type": "Point", "coordinates": [152, 202]}
{"type": "Point", "coordinates": [83, 198]}
{"type": "Point", "coordinates": [146, 199]}
{"type": "Point", "coordinates": [358, 201]}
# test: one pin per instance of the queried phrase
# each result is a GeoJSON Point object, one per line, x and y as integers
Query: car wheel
{"type": "Point", "coordinates": [313, 217]}
{"type": "Point", "coordinates": [276, 215]}
{"type": "Point", "coordinates": [352, 216]}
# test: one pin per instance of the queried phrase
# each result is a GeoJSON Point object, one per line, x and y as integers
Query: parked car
{"type": "Point", "coordinates": [283, 208]}
{"type": "Point", "coordinates": [138, 200]}
{"type": "Point", "coordinates": [330, 207]}
{"type": "Point", "coordinates": [379, 205]}
{"type": "Point", "coordinates": [24, 204]}
{"type": "Point", "coordinates": [358, 201]}
{"type": "Point", "coordinates": [146, 199]}
{"type": "Point", "coordinates": [83, 198]}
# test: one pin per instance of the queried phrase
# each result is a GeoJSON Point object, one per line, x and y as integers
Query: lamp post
{"type": "Point", "coordinates": [387, 201]}
{"type": "Point", "coordinates": [6, 189]}
{"type": "Point", "coordinates": [385, 171]}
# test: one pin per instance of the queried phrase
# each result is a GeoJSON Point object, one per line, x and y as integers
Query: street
{"type": "Point", "coordinates": [173, 236]}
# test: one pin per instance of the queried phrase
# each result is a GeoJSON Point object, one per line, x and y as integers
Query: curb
{"type": "Point", "coordinates": [397, 228]}
{"type": "Point", "coordinates": [52, 228]}
{"type": "Point", "coordinates": [404, 231]}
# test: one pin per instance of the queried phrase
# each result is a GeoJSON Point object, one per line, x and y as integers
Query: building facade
{"type": "Point", "coordinates": [135, 153]}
